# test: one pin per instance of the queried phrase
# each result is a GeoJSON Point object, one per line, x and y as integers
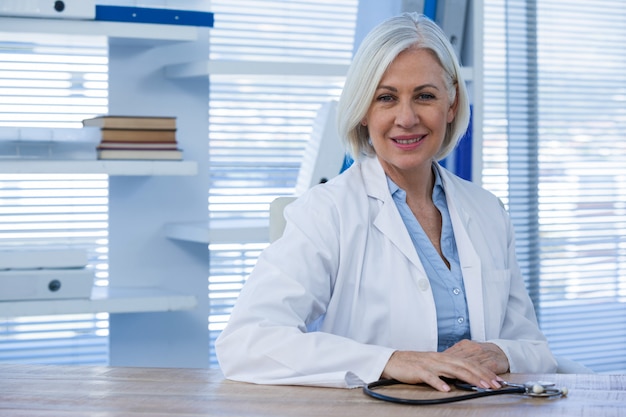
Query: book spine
{"type": "Point", "coordinates": [119, 135]}
{"type": "Point", "coordinates": [160, 154]}
{"type": "Point", "coordinates": [138, 145]}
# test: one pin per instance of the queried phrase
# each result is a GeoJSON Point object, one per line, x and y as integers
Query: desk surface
{"type": "Point", "coordinates": [72, 391]}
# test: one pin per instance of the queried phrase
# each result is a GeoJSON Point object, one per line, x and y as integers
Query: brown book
{"type": "Point", "coordinates": [132, 122]}
{"type": "Point", "coordinates": [151, 154]}
{"type": "Point", "coordinates": [126, 135]}
{"type": "Point", "coordinates": [137, 145]}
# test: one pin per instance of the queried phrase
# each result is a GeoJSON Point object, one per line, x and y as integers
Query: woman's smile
{"type": "Point", "coordinates": [407, 140]}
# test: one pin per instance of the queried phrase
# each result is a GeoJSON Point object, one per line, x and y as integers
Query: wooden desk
{"type": "Point", "coordinates": [73, 391]}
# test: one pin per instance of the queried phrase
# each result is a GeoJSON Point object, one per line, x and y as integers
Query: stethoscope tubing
{"type": "Point", "coordinates": [370, 389]}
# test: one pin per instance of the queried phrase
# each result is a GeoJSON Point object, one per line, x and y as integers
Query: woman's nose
{"type": "Point", "coordinates": [406, 115]}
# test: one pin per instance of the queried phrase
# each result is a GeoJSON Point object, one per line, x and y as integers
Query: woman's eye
{"type": "Point", "coordinates": [385, 98]}
{"type": "Point", "coordinates": [425, 96]}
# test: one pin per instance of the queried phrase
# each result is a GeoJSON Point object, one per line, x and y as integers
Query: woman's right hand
{"type": "Point", "coordinates": [428, 368]}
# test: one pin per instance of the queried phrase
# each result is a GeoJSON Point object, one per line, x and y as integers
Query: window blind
{"type": "Point", "coordinates": [554, 133]}
{"type": "Point", "coordinates": [259, 124]}
{"type": "Point", "coordinates": [52, 82]}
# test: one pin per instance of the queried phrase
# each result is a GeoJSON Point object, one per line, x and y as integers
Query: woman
{"type": "Point", "coordinates": [396, 268]}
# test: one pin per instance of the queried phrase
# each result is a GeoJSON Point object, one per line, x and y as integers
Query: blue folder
{"type": "Point", "coordinates": [153, 15]}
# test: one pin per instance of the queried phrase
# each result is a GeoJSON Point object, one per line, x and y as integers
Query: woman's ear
{"type": "Point", "coordinates": [364, 121]}
{"type": "Point", "coordinates": [453, 107]}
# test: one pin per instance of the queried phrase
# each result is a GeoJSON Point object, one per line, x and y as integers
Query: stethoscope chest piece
{"type": "Point", "coordinates": [544, 389]}
{"type": "Point", "coordinates": [538, 389]}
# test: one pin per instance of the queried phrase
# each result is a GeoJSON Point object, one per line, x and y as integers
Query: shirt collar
{"type": "Point", "coordinates": [437, 189]}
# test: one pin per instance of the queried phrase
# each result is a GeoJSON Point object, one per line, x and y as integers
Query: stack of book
{"type": "Point", "coordinates": [136, 137]}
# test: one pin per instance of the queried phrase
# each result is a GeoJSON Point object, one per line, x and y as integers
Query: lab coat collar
{"type": "Point", "coordinates": [388, 218]}
{"type": "Point", "coordinates": [375, 179]}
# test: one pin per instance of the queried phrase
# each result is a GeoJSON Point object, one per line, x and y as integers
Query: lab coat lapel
{"type": "Point", "coordinates": [468, 257]}
{"type": "Point", "coordinates": [388, 219]}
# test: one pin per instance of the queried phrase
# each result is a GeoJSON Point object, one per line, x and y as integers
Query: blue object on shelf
{"type": "Point", "coordinates": [463, 156]}
{"type": "Point", "coordinates": [430, 9]}
{"type": "Point", "coordinates": [460, 161]}
{"type": "Point", "coordinates": [153, 15]}
{"type": "Point", "coordinates": [347, 161]}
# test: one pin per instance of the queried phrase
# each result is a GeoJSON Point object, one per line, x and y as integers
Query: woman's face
{"type": "Point", "coordinates": [408, 116]}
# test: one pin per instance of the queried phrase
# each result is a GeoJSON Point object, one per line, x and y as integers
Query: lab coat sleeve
{"type": "Point", "coordinates": [521, 339]}
{"type": "Point", "coordinates": [269, 337]}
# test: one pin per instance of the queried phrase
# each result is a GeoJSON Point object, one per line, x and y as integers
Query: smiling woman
{"type": "Point", "coordinates": [327, 303]}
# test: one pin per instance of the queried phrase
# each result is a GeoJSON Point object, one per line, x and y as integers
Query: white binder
{"type": "Point", "coordinates": [60, 9]}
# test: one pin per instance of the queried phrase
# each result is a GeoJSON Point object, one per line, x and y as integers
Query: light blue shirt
{"type": "Point", "coordinates": [447, 284]}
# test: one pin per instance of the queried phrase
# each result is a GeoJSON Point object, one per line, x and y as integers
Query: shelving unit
{"type": "Point", "coordinates": [157, 296]}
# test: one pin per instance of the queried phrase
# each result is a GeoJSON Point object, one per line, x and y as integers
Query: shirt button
{"type": "Point", "coordinates": [423, 284]}
{"type": "Point", "coordinates": [456, 291]}
{"type": "Point", "coordinates": [460, 320]}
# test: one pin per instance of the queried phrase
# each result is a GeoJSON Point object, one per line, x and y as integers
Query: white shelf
{"type": "Point", "coordinates": [222, 231]}
{"type": "Point", "coordinates": [111, 167]}
{"type": "Point", "coordinates": [214, 67]}
{"type": "Point", "coordinates": [141, 33]}
{"type": "Point", "coordinates": [118, 300]}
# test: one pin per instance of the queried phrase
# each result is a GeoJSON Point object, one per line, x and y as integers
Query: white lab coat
{"type": "Point", "coordinates": [329, 302]}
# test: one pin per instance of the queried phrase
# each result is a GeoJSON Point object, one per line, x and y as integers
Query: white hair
{"type": "Point", "coordinates": [377, 51]}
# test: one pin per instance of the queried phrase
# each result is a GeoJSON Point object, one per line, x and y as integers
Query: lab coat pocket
{"type": "Point", "coordinates": [497, 284]}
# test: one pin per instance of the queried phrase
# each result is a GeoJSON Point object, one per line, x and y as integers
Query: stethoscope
{"type": "Point", "coordinates": [538, 389]}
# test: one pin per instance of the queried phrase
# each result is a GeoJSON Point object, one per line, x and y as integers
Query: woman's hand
{"type": "Point", "coordinates": [486, 354]}
{"type": "Point", "coordinates": [480, 368]}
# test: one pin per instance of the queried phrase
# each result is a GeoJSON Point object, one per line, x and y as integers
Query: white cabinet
{"type": "Point", "coordinates": [157, 296]}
